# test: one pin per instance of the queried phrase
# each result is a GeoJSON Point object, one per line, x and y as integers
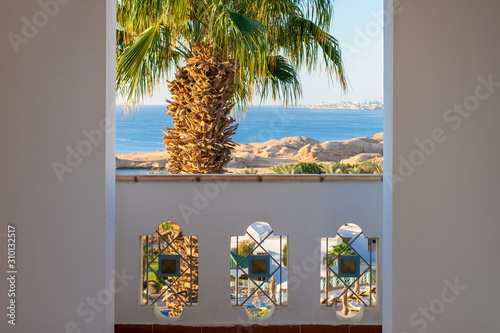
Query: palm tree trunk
{"type": "Point", "coordinates": [200, 141]}
{"type": "Point", "coordinates": [356, 290]}
{"type": "Point", "coordinates": [186, 285]}
{"type": "Point", "coordinates": [345, 306]}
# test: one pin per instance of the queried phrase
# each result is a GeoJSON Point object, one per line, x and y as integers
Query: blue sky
{"type": "Point", "coordinates": [357, 24]}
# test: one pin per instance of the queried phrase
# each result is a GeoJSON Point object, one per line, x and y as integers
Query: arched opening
{"type": "Point", "coordinates": [349, 273]}
{"type": "Point", "coordinates": [169, 270]}
{"type": "Point", "coordinates": [258, 265]}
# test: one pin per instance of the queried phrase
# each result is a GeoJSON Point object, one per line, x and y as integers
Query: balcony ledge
{"type": "Point", "coordinates": [266, 178]}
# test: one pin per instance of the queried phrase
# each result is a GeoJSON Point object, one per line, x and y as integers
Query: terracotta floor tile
{"type": "Point", "coordinates": [324, 329]}
{"type": "Point", "coordinates": [366, 329]}
{"type": "Point", "coordinates": [276, 329]}
{"type": "Point", "coordinates": [176, 329]}
{"type": "Point", "coordinates": [133, 328]}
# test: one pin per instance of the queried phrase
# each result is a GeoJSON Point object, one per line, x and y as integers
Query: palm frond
{"type": "Point", "coordinates": [281, 81]}
{"type": "Point", "coordinates": [247, 27]}
{"type": "Point", "coordinates": [319, 10]}
{"type": "Point", "coordinates": [308, 32]}
{"type": "Point", "coordinates": [142, 14]}
{"type": "Point", "coordinates": [144, 63]}
{"type": "Point", "coordinates": [267, 40]}
{"type": "Point", "coordinates": [241, 39]}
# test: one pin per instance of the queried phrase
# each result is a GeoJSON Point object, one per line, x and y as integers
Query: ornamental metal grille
{"type": "Point", "coordinates": [356, 285]}
{"type": "Point", "coordinates": [169, 269]}
{"type": "Point", "coordinates": [258, 270]}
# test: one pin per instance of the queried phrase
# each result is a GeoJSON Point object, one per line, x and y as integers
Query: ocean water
{"type": "Point", "coordinates": [140, 131]}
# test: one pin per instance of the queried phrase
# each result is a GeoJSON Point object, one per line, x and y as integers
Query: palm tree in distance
{"type": "Point", "coordinates": [335, 250]}
{"type": "Point", "coordinates": [223, 53]}
{"type": "Point", "coordinates": [331, 258]}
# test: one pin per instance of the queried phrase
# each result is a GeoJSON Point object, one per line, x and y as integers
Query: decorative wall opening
{"type": "Point", "coordinates": [349, 272]}
{"type": "Point", "coordinates": [259, 279]}
{"type": "Point", "coordinates": [169, 270]}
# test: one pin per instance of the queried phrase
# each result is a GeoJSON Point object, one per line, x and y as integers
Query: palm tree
{"type": "Point", "coordinates": [329, 259]}
{"type": "Point", "coordinates": [186, 285]}
{"type": "Point", "coordinates": [229, 51]}
{"type": "Point", "coordinates": [335, 250]}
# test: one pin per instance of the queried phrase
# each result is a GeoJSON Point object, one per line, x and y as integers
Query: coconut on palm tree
{"type": "Point", "coordinates": [223, 53]}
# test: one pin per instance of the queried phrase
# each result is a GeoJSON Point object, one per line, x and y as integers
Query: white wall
{"type": "Point", "coordinates": [53, 88]}
{"type": "Point", "coordinates": [303, 211]}
{"type": "Point", "coordinates": [446, 212]}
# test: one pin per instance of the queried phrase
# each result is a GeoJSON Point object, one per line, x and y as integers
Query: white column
{"type": "Point", "coordinates": [447, 187]}
{"type": "Point", "coordinates": [57, 164]}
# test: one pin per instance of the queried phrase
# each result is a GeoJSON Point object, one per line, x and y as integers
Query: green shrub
{"type": "Point", "coordinates": [379, 169]}
{"type": "Point", "coordinates": [245, 247]}
{"type": "Point", "coordinates": [157, 172]}
{"type": "Point", "coordinates": [355, 170]}
{"type": "Point", "coordinates": [246, 171]}
{"type": "Point", "coordinates": [335, 168]}
{"type": "Point", "coordinates": [157, 285]}
{"type": "Point", "coordinates": [371, 167]}
{"type": "Point", "coordinates": [309, 168]}
{"type": "Point", "coordinates": [283, 169]}
{"type": "Point", "coordinates": [374, 167]}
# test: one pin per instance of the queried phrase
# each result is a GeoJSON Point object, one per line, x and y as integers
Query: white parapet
{"type": "Point", "coordinates": [215, 210]}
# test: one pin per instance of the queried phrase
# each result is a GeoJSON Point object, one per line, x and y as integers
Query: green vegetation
{"type": "Point", "coordinates": [154, 37]}
{"type": "Point", "coordinates": [336, 250]}
{"type": "Point", "coordinates": [309, 168]}
{"type": "Point", "coordinates": [335, 167]}
{"type": "Point", "coordinates": [372, 167]}
{"type": "Point", "coordinates": [157, 172]}
{"type": "Point", "coordinates": [246, 171]}
{"type": "Point", "coordinates": [356, 170]}
{"type": "Point", "coordinates": [157, 285]}
{"type": "Point", "coordinates": [262, 313]}
{"type": "Point", "coordinates": [151, 275]}
{"type": "Point", "coordinates": [285, 255]}
{"type": "Point", "coordinates": [368, 167]}
{"type": "Point", "coordinates": [284, 169]}
{"type": "Point", "coordinates": [245, 247]}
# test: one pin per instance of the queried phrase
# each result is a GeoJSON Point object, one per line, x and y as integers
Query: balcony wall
{"type": "Point", "coordinates": [305, 208]}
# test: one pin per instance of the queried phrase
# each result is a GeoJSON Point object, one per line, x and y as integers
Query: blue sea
{"type": "Point", "coordinates": [140, 130]}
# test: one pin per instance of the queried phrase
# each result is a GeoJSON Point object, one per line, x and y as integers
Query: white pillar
{"type": "Point", "coordinates": [56, 163]}
{"type": "Point", "coordinates": [446, 210]}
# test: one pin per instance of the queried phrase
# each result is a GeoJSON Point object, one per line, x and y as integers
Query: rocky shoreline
{"type": "Point", "coordinates": [263, 155]}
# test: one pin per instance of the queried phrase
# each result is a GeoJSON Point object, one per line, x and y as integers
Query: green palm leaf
{"type": "Point", "coordinates": [331, 50]}
{"type": "Point", "coordinates": [250, 33]}
{"type": "Point", "coordinates": [141, 66]}
{"type": "Point", "coordinates": [281, 81]}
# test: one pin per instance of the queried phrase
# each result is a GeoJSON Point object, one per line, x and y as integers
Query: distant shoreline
{"type": "Point", "coordinates": [344, 109]}
{"type": "Point", "coordinates": [343, 106]}
{"type": "Point", "coordinates": [365, 105]}
{"type": "Point", "coordinates": [263, 155]}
